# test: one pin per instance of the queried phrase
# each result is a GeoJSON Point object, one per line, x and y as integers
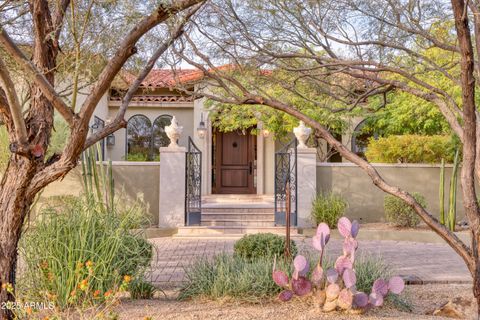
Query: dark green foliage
{"type": "Point", "coordinates": [262, 245]}
{"type": "Point", "coordinates": [401, 214]}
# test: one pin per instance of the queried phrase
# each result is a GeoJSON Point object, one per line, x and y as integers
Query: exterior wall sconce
{"type": "Point", "coordinates": [201, 129]}
{"type": "Point", "coordinates": [265, 133]}
{"type": "Point", "coordinates": [111, 140]}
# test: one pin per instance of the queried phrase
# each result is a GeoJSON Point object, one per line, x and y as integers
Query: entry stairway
{"type": "Point", "coordinates": [235, 215]}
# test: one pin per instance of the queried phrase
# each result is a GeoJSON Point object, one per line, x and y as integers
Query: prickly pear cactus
{"type": "Point", "coordinates": [335, 288]}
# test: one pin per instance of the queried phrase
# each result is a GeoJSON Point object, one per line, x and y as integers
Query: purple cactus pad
{"type": "Point", "coordinates": [355, 228]}
{"type": "Point", "coordinates": [301, 286]}
{"type": "Point", "coordinates": [380, 286]}
{"type": "Point", "coordinates": [285, 295]}
{"type": "Point", "coordinates": [317, 276]}
{"type": "Point", "coordinates": [280, 278]}
{"type": "Point", "coordinates": [342, 263]}
{"type": "Point", "coordinates": [300, 263]}
{"type": "Point", "coordinates": [332, 275]}
{"type": "Point", "coordinates": [376, 299]}
{"type": "Point", "coordinates": [344, 226]}
{"type": "Point", "coordinates": [396, 285]}
{"type": "Point", "coordinates": [360, 299]}
{"type": "Point", "coordinates": [349, 278]}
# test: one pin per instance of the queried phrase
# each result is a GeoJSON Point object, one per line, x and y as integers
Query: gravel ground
{"type": "Point", "coordinates": [424, 299]}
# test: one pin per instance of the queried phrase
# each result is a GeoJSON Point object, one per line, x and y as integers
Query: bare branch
{"type": "Point", "coordinates": [15, 108]}
{"type": "Point", "coordinates": [119, 121]}
{"type": "Point", "coordinates": [126, 50]}
{"type": "Point", "coordinates": [7, 43]}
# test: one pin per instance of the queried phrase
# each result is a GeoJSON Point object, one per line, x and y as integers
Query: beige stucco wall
{"type": "Point", "coordinates": [366, 200]}
{"type": "Point", "coordinates": [131, 179]}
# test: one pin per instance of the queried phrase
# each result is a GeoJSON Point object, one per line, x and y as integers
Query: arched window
{"type": "Point", "coordinates": [139, 139]}
{"type": "Point", "coordinates": [144, 139]}
{"type": "Point", "coordinates": [160, 138]}
{"type": "Point", "coordinates": [360, 139]}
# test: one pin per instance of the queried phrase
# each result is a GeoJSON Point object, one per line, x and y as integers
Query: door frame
{"type": "Point", "coordinates": [252, 146]}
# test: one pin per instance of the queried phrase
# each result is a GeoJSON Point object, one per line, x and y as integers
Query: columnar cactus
{"type": "Point", "coordinates": [334, 288]}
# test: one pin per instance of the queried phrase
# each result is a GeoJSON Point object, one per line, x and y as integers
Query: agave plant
{"type": "Point", "coordinates": [334, 288]}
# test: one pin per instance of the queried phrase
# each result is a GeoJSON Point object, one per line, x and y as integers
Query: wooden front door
{"type": "Point", "coordinates": [234, 163]}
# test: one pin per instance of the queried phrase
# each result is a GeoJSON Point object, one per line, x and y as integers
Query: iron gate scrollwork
{"type": "Point", "coordinates": [286, 174]}
{"type": "Point", "coordinates": [193, 184]}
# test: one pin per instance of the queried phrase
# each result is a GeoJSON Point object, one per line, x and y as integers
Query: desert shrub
{"type": "Point", "coordinates": [401, 214]}
{"type": "Point", "coordinates": [140, 289]}
{"type": "Point", "coordinates": [328, 207]}
{"type": "Point", "coordinates": [227, 276]}
{"type": "Point", "coordinates": [81, 250]}
{"type": "Point", "coordinates": [411, 149]}
{"type": "Point", "coordinates": [262, 245]}
{"type": "Point", "coordinates": [81, 253]}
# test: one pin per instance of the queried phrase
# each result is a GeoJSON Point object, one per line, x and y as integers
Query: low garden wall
{"type": "Point", "coordinates": [130, 179]}
{"type": "Point", "coordinates": [365, 200]}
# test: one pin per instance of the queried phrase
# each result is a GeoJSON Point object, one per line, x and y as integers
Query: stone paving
{"type": "Point", "coordinates": [417, 262]}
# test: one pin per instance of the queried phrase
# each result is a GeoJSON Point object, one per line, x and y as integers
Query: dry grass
{"type": "Point", "coordinates": [424, 299]}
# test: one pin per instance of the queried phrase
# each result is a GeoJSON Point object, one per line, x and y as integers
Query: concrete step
{"type": "Point", "coordinates": [237, 210]}
{"type": "Point", "coordinates": [224, 216]}
{"type": "Point", "coordinates": [239, 223]}
{"type": "Point", "coordinates": [203, 231]}
{"type": "Point", "coordinates": [237, 198]}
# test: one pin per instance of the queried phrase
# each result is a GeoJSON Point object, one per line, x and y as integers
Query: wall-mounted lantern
{"type": "Point", "coordinates": [111, 140]}
{"type": "Point", "coordinates": [201, 129]}
{"type": "Point", "coordinates": [265, 133]}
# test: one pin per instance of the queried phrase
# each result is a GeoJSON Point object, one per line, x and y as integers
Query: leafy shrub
{"type": "Point", "coordinates": [401, 214]}
{"type": "Point", "coordinates": [411, 149]}
{"type": "Point", "coordinates": [328, 207]}
{"type": "Point", "coordinates": [227, 276]}
{"type": "Point", "coordinates": [262, 245]}
{"type": "Point", "coordinates": [140, 289]}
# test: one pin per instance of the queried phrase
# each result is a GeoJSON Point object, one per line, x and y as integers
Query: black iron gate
{"type": "Point", "coordinates": [286, 176]}
{"type": "Point", "coordinates": [193, 184]}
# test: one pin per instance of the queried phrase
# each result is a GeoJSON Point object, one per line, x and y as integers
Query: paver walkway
{"type": "Point", "coordinates": [419, 262]}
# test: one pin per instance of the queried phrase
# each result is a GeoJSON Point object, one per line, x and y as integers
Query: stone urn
{"type": "Point", "coordinates": [302, 133]}
{"type": "Point", "coordinates": [174, 131]}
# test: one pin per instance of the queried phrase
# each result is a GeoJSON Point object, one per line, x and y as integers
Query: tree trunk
{"type": "Point", "coordinates": [7, 273]}
{"type": "Point", "coordinates": [14, 207]}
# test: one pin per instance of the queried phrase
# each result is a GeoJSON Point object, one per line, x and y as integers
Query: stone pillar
{"type": "Point", "coordinates": [172, 180]}
{"type": "Point", "coordinates": [306, 184]}
{"type": "Point", "coordinates": [172, 187]}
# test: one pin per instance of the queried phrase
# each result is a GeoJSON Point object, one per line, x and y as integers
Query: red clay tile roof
{"type": "Point", "coordinates": [156, 98]}
{"type": "Point", "coordinates": [164, 78]}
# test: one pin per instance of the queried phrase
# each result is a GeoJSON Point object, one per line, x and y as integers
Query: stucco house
{"type": "Point", "coordinates": [240, 172]}
{"type": "Point", "coordinates": [229, 182]}
{"type": "Point", "coordinates": [152, 109]}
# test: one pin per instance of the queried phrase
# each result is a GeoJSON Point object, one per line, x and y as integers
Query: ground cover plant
{"type": "Point", "coordinates": [335, 288]}
{"type": "Point", "coordinates": [262, 245]}
{"type": "Point", "coordinates": [327, 207]}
